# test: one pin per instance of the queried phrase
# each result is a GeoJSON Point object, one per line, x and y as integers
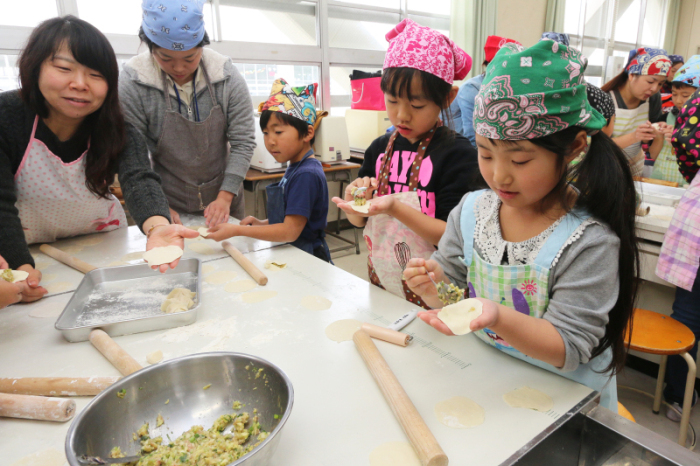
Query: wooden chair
{"type": "Point", "coordinates": [655, 333]}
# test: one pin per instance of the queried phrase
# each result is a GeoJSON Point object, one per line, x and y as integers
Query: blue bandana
{"type": "Point", "coordinates": [690, 72]}
{"type": "Point", "coordinates": [173, 25]}
{"type": "Point", "coordinates": [556, 37]}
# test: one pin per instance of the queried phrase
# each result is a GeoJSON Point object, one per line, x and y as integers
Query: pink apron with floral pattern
{"type": "Point", "coordinates": [390, 243]}
{"type": "Point", "coordinates": [53, 201]}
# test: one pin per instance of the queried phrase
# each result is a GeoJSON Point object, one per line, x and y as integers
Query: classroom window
{"type": "Point", "coordinates": [27, 13]}
{"type": "Point", "coordinates": [259, 77]}
{"type": "Point", "coordinates": [9, 73]}
{"type": "Point", "coordinates": [268, 21]}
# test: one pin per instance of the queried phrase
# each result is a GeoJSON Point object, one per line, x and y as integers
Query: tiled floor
{"type": "Point", "coordinates": [638, 404]}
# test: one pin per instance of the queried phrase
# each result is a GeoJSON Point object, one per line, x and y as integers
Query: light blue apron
{"type": "Point", "coordinates": [276, 209]}
{"type": "Point", "coordinates": [525, 288]}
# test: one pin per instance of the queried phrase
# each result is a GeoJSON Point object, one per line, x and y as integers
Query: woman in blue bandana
{"type": "Point", "coordinates": [194, 111]}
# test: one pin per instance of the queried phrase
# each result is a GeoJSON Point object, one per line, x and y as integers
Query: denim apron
{"type": "Point", "coordinates": [525, 288]}
{"type": "Point", "coordinates": [276, 209]}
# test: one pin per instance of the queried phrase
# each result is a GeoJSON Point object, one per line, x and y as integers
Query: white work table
{"type": "Point", "coordinates": [339, 414]}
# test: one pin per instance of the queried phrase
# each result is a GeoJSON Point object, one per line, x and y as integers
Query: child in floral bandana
{"type": "Point", "coordinates": [417, 174]}
{"type": "Point", "coordinates": [553, 263]}
{"type": "Point", "coordinates": [297, 206]}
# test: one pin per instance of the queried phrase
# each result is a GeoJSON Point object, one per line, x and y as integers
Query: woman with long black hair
{"type": "Point", "coordinates": [62, 140]}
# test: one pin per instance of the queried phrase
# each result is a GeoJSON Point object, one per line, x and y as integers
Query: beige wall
{"type": "Point", "coordinates": [522, 20]}
{"type": "Point", "coordinates": [688, 36]}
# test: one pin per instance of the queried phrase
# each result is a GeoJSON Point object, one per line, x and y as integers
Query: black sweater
{"type": "Point", "coordinates": [455, 169]}
{"type": "Point", "coordinates": [140, 184]}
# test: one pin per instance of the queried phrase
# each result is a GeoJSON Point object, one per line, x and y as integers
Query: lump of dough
{"type": "Point", "coordinates": [179, 300]}
{"type": "Point", "coordinates": [154, 357]}
{"type": "Point", "coordinates": [458, 316]}
{"type": "Point", "coordinates": [529, 398]}
{"type": "Point", "coordinates": [13, 276]}
{"type": "Point", "coordinates": [203, 231]}
{"type": "Point", "coordinates": [162, 255]}
{"type": "Point", "coordinates": [363, 209]}
{"type": "Point", "coordinates": [459, 413]}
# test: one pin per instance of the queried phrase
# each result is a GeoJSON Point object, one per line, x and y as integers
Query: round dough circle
{"type": "Point", "coordinates": [529, 398]}
{"type": "Point", "coordinates": [18, 275]}
{"type": "Point", "coordinates": [394, 454]}
{"type": "Point", "coordinates": [343, 330]}
{"type": "Point", "coordinates": [458, 316]}
{"type": "Point", "coordinates": [133, 256]}
{"type": "Point", "coordinates": [221, 277]}
{"type": "Point", "coordinates": [459, 412]}
{"type": "Point", "coordinates": [162, 255]}
{"type": "Point", "coordinates": [316, 303]}
{"type": "Point", "coordinates": [72, 249]}
{"type": "Point", "coordinates": [201, 248]}
{"type": "Point", "coordinates": [117, 264]}
{"type": "Point", "coordinates": [258, 296]}
{"type": "Point", "coordinates": [57, 287]}
{"type": "Point", "coordinates": [363, 209]}
{"type": "Point", "coordinates": [240, 286]}
{"type": "Point", "coordinates": [42, 458]}
{"type": "Point", "coordinates": [203, 231]}
{"type": "Point", "coordinates": [154, 357]}
{"type": "Point", "coordinates": [91, 240]}
{"type": "Point", "coordinates": [41, 265]}
{"type": "Point", "coordinates": [208, 268]}
{"type": "Point", "coordinates": [47, 277]}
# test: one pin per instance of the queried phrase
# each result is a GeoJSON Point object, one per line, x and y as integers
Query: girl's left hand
{"type": "Point", "coordinates": [378, 205]}
{"type": "Point", "coordinates": [217, 212]}
{"type": "Point", "coordinates": [488, 318]}
{"type": "Point", "coordinates": [169, 235]}
{"type": "Point", "coordinates": [666, 130]}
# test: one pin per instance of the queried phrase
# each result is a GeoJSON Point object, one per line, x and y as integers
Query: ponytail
{"type": "Point", "coordinates": [604, 180]}
{"type": "Point", "coordinates": [606, 192]}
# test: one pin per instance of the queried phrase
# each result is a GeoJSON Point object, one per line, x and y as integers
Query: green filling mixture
{"type": "Point", "coordinates": [199, 447]}
{"type": "Point", "coordinates": [7, 275]}
{"type": "Point", "coordinates": [449, 294]}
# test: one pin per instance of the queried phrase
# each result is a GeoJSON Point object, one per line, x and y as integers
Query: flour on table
{"type": "Point", "coordinates": [240, 286]}
{"type": "Point", "coordinates": [162, 255]}
{"type": "Point", "coordinates": [133, 256]}
{"type": "Point", "coordinates": [221, 277]}
{"type": "Point", "coordinates": [458, 316]}
{"type": "Point", "coordinates": [529, 398]}
{"type": "Point", "coordinates": [43, 458]}
{"type": "Point", "coordinates": [394, 454]}
{"type": "Point", "coordinates": [202, 248]}
{"type": "Point", "coordinates": [316, 303]}
{"type": "Point", "coordinates": [154, 357]}
{"type": "Point", "coordinates": [459, 412]}
{"type": "Point", "coordinates": [47, 277]}
{"type": "Point", "coordinates": [178, 300]}
{"type": "Point", "coordinates": [71, 249]}
{"type": "Point", "coordinates": [90, 240]}
{"type": "Point", "coordinates": [58, 287]}
{"type": "Point", "coordinates": [258, 296]}
{"type": "Point", "coordinates": [343, 330]}
{"type": "Point", "coordinates": [47, 310]}
{"type": "Point", "coordinates": [41, 265]}
{"type": "Point", "coordinates": [211, 329]}
{"type": "Point", "coordinates": [117, 264]}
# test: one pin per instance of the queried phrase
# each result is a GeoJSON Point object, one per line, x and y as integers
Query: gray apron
{"type": "Point", "coordinates": [191, 158]}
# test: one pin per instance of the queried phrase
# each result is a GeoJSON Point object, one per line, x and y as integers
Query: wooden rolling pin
{"type": "Point", "coordinates": [386, 334]}
{"type": "Point", "coordinates": [244, 262]}
{"type": "Point", "coordinates": [56, 386]}
{"type": "Point", "coordinates": [424, 443]}
{"type": "Point", "coordinates": [66, 258]}
{"type": "Point", "coordinates": [673, 184]}
{"type": "Point", "coordinates": [113, 352]}
{"type": "Point", "coordinates": [38, 408]}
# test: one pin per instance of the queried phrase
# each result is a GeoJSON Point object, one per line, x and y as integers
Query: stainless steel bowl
{"type": "Point", "coordinates": [109, 421]}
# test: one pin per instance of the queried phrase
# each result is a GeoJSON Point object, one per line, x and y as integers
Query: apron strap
{"type": "Point", "coordinates": [467, 223]}
{"type": "Point", "coordinates": [166, 92]}
{"type": "Point", "coordinates": [209, 86]}
{"type": "Point", "coordinates": [558, 238]}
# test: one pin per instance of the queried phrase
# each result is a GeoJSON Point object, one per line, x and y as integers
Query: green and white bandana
{"type": "Point", "coordinates": [534, 92]}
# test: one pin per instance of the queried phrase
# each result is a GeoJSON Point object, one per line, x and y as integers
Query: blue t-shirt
{"type": "Point", "coordinates": [306, 194]}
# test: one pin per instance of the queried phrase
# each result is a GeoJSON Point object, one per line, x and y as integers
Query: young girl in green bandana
{"type": "Point", "coordinates": [554, 263]}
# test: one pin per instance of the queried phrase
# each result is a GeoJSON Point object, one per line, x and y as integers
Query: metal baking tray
{"type": "Point", "coordinates": [127, 299]}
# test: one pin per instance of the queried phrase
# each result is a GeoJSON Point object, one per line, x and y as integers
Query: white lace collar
{"type": "Point", "coordinates": [495, 250]}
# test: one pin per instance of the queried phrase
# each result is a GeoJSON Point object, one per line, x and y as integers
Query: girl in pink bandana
{"type": "Point", "coordinates": [416, 175]}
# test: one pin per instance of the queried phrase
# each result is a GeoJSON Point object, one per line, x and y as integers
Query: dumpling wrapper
{"type": "Point", "coordinates": [363, 209]}
{"type": "Point", "coordinates": [458, 316]}
{"type": "Point", "coordinates": [162, 255]}
{"type": "Point", "coordinates": [17, 275]}
{"type": "Point", "coordinates": [179, 300]}
{"type": "Point", "coordinates": [203, 231]}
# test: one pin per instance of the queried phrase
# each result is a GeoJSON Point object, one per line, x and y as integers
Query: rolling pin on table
{"type": "Point", "coordinates": [56, 386]}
